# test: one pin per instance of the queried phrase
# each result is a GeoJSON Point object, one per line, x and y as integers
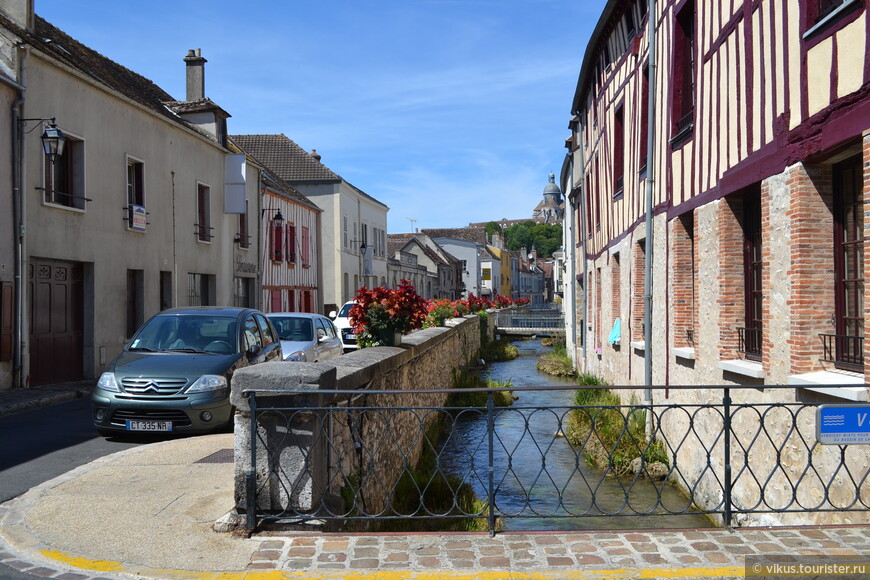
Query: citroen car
{"type": "Point", "coordinates": [174, 374]}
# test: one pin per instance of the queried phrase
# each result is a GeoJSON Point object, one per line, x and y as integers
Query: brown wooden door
{"type": "Point", "coordinates": [56, 321]}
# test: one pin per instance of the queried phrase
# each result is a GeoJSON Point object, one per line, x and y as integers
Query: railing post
{"type": "Point", "coordinates": [726, 411]}
{"type": "Point", "coordinates": [251, 475]}
{"type": "Point", "coordinates": [490, 427]}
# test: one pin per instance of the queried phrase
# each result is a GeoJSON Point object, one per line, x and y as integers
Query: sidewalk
{"type": "Point", "coordinates": [149, 512]}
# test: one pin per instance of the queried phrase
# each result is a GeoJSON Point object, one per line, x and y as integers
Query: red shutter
{"type": "Point", "coordinates": [291, 301]}
{"type": "Point", "coordinates": [276, 301]}
{"type": "Point", "coordinates": [277, 243]}
{"type": "Point", "coordinates": [291, 243]}
{"type": "Point", "coordinates": [305, 261]}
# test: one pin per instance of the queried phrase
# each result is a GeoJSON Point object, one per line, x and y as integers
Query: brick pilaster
{"type": "Point", "coordinates": [732, 292]}
{"type": "Point", "coordinates": [811, 270]}
{"type": "Point", "coordinates": [683, 287]}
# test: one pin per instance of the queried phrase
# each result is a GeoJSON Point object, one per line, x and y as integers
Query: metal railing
{"type": "Point", "coordinates": [847, 352]}
{"type": "Point", "coordinates": [542, 321]}
{"type": "Point", "coordinates": [750, 342]}
{"type": "Point", "coordinates": [355, 464]}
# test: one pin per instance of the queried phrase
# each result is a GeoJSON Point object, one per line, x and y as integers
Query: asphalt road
{"type": "Point", "coordinates": [41, 444]}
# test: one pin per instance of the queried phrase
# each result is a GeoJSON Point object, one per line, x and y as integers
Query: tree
{"type": "Point", "coordinates": [546, 238]}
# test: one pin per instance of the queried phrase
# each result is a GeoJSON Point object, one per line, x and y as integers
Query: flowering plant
{"type": "Point", "coordinates": [381, 312]}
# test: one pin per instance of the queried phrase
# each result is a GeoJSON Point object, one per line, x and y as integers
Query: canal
{"type": "Point", "coordinates": [543, 482]}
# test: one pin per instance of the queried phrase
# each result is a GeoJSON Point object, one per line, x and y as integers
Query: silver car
{"type": "Point", "coordinates": [306, 337]}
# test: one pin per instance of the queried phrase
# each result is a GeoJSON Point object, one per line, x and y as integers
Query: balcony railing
{"type": "Point", "coordinates": [846, 352]}
{"type": "Point", "coordinates": [750, 342]}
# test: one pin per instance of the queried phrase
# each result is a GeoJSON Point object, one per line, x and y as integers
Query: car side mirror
{"type": "Point", "coordinates": [333, 314]}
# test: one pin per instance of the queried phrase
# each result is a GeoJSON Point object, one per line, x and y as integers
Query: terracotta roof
{"type": "Point", "coordinates": [477, 235]}
{"type": "Point", "coordinates": [291, 162]}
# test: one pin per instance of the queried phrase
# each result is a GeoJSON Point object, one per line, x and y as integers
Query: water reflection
{"type": "Point", "coordinates": [538, 473]}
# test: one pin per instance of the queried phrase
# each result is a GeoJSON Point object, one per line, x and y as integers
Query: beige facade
{"type": "Point", "coordinates": [134, 217]}
{"type": "Point", "coordinates": [758, 174]}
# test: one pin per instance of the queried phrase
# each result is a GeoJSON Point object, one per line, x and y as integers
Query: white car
{"type": "Point", "coordinates": [306, 337]}
{"type": "Point", "coordinates": [342, 323]}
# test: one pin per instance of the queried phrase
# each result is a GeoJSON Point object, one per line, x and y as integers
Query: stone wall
{"type": "Point", "coordinates": [362, 446]}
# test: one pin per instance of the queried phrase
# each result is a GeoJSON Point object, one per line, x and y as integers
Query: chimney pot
{"type": "Point", "coordinates": [315, 154]}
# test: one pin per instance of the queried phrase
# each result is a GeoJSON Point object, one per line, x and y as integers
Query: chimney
{"type": "Point", "coordinates": [315, 154]}
{"type": "Point", "coordinates": [195, 75]}
{"type": "Point", "coordinates": [19, 11]}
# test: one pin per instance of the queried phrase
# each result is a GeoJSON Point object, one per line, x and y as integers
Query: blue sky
{"type": "Point", "coordinates": [447, 111]}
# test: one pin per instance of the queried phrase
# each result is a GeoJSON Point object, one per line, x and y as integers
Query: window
{"type": "Point", "coordinates": [752, 264]}
{"type": "Point", "coordinates": [6, 325]}
{"type": "Point", "coordinates": [291, 300]}
{"type": "Point", "coordinates": [200, 290]}
{"type": "Point", "coordinates": [291, 243]}
{"type": "Point", "coordinates": [135, 300]}
{"type": "Point", "coordinates": [135, 188]}
{"type": "Point", "coordinates": [165, 290]}
{"type": "Point", "coordinates": [346, 241]}
{"type": "Point", "coordinates": [683, 280]}
{"type": "Point", "coordinates": [244, 237]}
{"type": "Point", "coordinates": [849, 264]}
{"type": "Point", "coordinates": [644, 120]}
{"type": "Point", "coordinates": [618, 152]}
{"type": "Point", "coordinates": [820, 12]}
{"type": "Point", "coordinates": [276, 241]}
{"type": "Point", "coordinates": [306, 258]}
{"type": "Point", "coordinates": [253, 340]}
{"type": "Point", "coordinates": [265, 330]}
{"type": "Point", "coordinates": [683, 96]}
{"type": "Point", "coordinates": [243, 292]}
{"type": "Point", "coordinates": [203, 213]}
{"type": "Point", "coordinates": [65, 175]}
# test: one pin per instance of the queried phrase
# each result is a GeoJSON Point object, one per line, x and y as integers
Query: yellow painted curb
{"type": "Point", "coordinates": [616, 574]}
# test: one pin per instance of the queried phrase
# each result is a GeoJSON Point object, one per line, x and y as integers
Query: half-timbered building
{"type": "Point", "coordinates": [736, 160]}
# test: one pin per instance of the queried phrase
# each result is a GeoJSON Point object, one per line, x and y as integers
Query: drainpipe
{"type": "Point", "coordinates": [583, 238]}
{"type": "Point", "coordinates": [650, 180]}
{"type": "Point", "coordinates": [18, 230]}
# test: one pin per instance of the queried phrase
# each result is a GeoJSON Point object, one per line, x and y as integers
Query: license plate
{"type": "Point", "coordinates": [349, 336]}
{"type": "Point", "coordinates": [149, 425]}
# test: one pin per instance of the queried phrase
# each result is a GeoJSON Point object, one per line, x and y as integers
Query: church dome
{"type": "Point", "coordinates": [552, 188]}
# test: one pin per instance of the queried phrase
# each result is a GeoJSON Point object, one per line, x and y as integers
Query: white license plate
{"type": "Point", "coordinates": [149, 425]}
{"type": "Point", "coordinates": [349, 336]}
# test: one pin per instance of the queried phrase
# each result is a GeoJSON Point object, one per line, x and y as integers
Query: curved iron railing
{"type": "Point", "coordinates": [354, 461]}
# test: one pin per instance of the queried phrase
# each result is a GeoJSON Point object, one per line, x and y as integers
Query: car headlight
{"type": "Point", "coordinates": [208, 383]}
{"type": "Point", "coordinates": [108, 382]}
{"type": "Point", "coordinates": [298, 356]}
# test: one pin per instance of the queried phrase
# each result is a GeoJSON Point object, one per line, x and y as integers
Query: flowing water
{"type": "Point", "coordinates": [538, 473]}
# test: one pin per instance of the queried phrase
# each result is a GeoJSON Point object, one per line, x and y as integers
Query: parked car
{"type": "Point", "coordinates": [306, 337]}
{"type": "Point", "coordinates": [342, 323]}
{"type": "Point", "coordinates": [174, 374]}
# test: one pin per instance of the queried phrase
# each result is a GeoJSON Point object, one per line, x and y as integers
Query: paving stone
{"type": "Point", "coordinates": [365, 553]}
{"type": "Point", "coordinates": [396, 557]}
{"type": "Point", "coordinates": [636, 538]}
{"type": "Point", "coordinates": [272, 545]}
{"type": "Point", "coordinates": [588, 560]}
{"type": "Point", "coordinates": [556, 561]}
{"type": "Point", "coordinates": [296, 564]}
{"type": "Point", "coordinates": [262, 566]}
{"type": "Point", "coordinates": [583, 548]}
{"type": "Point", "coordinates": [463, 563]}
{"type": "Point", "coordinates": [70, 576]}
{"type": "Point", "coordinates": [495, 562]}
{"type": "Point", "coordinates": [365, 563]}
{"type": "Point", "coordinates": [645, 547]}
{"type": "Point", "coordinates": [332, 557]}
{"type": "Point", "coordinates": [548, 540]}
{"type": "Point", "coordinates": [705, 546]}
{"type": "Point", "coordinates": [295, 552]}
{"type": "Point", "coordinates": [491, 550]}
{"type": "Point", "coordinates": [654, 559]}
{"type": "Point", "coordinates": [460, 554]}
{"type": "Point", "coordinates": [42, 572]}
{"type": "Point", "coordinates": [454, 544]}
{"type": "Point", "coordinates": [523, 555]}
{"type": "Point", "coordinates": [768, 547]}
{"type": "Point", "coordinates": [267, 555]}
{"type": "Point", "coordinates": [428, 562]}
{"type": "Point", "coordinates": [368, 541]}
{"type": "Point", "coordinates": [718, 558]}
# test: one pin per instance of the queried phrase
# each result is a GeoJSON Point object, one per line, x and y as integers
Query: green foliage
{"type": "Point", "coordinates": [612, 436]}
{"type": "Point", "coordinates": [478, 399]}
{"type": "Point", "coordinates": [557, 363]}
{"type": "Point", "coordinates": [546, 238]}
{"type": "Point", "coordinates": [499, 351]}
{"type": "Point", "coordinates": [491, 228]}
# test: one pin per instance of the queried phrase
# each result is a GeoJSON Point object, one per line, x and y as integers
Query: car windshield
{"type": "Point", "coordinates": [293, 327]}
{"type": "Point", "coordinates": [345, 310]}
{"type": "Point", "coordinates": [191, 333]}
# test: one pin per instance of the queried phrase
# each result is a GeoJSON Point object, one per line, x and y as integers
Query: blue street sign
{"type": "Point", "coordinates": [843, 424]}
